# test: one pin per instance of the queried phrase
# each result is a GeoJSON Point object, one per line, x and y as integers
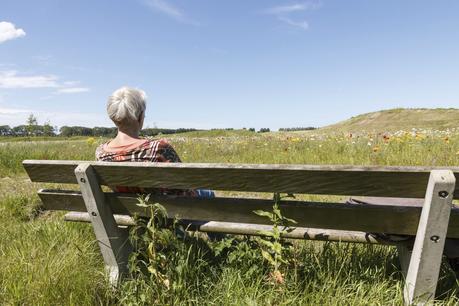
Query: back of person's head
{"type": "Point", "coordinates": [126, 107]}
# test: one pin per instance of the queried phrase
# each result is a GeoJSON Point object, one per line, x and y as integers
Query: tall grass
{"type": "Point", "coordinates": [45, 261]}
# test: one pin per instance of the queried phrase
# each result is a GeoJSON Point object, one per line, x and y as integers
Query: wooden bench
{"type": "Point", "coordinates": [431, 222]}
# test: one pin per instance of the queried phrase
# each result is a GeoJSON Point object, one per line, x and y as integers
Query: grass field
{"type": "Point", "coordinates": [400, 119]}
{"type": "Point", "coordinates": [45, 261]}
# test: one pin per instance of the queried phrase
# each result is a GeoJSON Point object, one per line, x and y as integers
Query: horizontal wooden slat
{"type": "Point", "coordinates": [297, 233]}
{"type": "Point", "coordinates": [408, 182]}
{"type": "Point", "coordinates": [251, 229]}
{"type": "Point", "coordinates": [75, 216]}
{"type": "Point", "coordinates": [393, 219]}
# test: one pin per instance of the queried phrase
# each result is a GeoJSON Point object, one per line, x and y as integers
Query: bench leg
{"type": "Point", "coordinates": [425, 261]}
{"type": "Point", "coordinates": [113, 242]}
{"type": "Point", "coordinates": [404, 256]}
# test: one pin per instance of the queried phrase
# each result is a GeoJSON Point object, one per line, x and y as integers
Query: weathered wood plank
{"type": "Point", "coordinates": [250, 229]}
{"type": "Point", "coordinates": [405, 182]}
{"type": "Point", "coordinates": [425, 261]}
{"type": "Point", "coordinates": [75, 216]}
{"type": "Point", "coordinates": [297, 233]}
{"type": "Point", "coordinates": [393, 219]}
{"type": "Point", "coordinates": [113, 242]}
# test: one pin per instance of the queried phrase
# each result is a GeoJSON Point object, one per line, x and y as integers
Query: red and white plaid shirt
{"type": "Point", "coordinates": [149, 151]}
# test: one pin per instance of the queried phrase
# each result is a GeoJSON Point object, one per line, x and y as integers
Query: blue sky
{"type": "Point", "coordinates": [209, 63]}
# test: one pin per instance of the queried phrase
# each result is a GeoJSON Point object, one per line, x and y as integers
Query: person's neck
{"type": "Point", "coordinates": [127, 136]}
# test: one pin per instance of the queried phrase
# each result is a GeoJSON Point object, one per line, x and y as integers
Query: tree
{"type": "Point", "coordinates": [31, 124]}
{"type": "Point", "coordinates": [264, 130]}
{"type": "Point", "coordinates": [5, 130]}
{"type": "Point", "coordinates": [66, 131]}
{"type": "Point", "coordinates": [20, 130]}
{"type": "Point", "coordinates": [48, 130]}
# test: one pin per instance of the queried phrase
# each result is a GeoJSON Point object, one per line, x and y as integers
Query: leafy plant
{"type": "Point", "coordinates": [274, 248]}
{"type": "Point", "coordinates": [242, 253]}
{"type": "Point", "coordinates": [148, 236]}
{"type": "Point", "coordinates": [166, 259]}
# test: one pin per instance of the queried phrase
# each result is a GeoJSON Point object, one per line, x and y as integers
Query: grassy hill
{"type": "Point", "coordinates": [400, 119]}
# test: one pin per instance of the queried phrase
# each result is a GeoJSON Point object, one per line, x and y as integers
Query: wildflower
{"type": "Point", "coordinates": [278, 277]}
{"type": "Point", "coordinates": [90, 141]}
{"type": "Point", "coordinates": [420, 136]}
{"type": "Point", "coordinates": [446, 140]}
{"type": "Point", "coordinates": [376, 149]}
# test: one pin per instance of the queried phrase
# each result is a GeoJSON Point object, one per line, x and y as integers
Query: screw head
{"type": "Point", "coordinates": [94, 213]}
{"type": "Point", "coordinates": [435, 238]}
{"type": "Point", "coordinates": [443, 194]}
{"type": "Point", "coordinates": [82, 180]}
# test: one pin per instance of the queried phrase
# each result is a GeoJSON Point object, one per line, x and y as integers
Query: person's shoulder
{"type": "Point", "coordinates": [100, 151]}
{"type": "Point", "coordinates": [101, 146]}
{"type": "Point", "coordinates": [160, 143]}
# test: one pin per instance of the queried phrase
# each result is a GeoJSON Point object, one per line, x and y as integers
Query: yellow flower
{"type": "Point", "coordinates": [376, 149]}
{"type": "Point", "coordinates": [90, 140]}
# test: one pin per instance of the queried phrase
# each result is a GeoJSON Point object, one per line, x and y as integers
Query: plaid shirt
{"type": "Point", "coordinates": [150, 151]}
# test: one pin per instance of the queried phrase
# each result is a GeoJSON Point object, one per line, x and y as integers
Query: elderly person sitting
{"type": "Point", "coordinates": [126, 108]}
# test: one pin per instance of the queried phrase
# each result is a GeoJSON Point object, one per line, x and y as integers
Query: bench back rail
{"type": "Point", "coordinates": [403, 182]}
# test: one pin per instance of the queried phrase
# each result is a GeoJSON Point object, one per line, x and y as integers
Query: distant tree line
{"type": "Point", "coordinates": [69, 131]}
{"type": "Point", "coordinates": [32, 128]}
{"type": "Point", "coordinates": [24, 130]}
{"type": "Point", "coordinates": [309, 128]}
{"type": "Point", "coordinates": [264, 130]}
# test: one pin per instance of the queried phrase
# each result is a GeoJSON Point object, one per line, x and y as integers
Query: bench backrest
{"type": "Point", "coordinates": [407, 182]}
{"type": "Point", "coordinates": [404, 182]}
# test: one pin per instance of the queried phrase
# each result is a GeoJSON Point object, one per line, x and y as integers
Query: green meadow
{"type": "Point", "coordinates": [46, 261]}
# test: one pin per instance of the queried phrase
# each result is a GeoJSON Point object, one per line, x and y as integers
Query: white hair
{"type": "Point", "coordinates": [126, 105]}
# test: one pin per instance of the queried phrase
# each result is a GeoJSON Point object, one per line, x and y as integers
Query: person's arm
{"type": "Point", "coordinates": [166, 153]}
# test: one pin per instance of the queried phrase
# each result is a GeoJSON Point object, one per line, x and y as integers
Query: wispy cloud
{"type": "Point", "coordinates": [16, 116]}
{"type": "Point", "coordinates": [71, 90]}
{"type": "Point", "coordinates": [13, 111]}
{"type": "Point", "coordinates": [283, 13]}
{"type": "Point", "coordinates": [10, 79]}
{"type": "Point", "coordinates": [168, 9]}
{"type": "Point", "coordinates": [8, 31]}
{"type": "Point", "coordinates": [300, 24]}
{"type": "Point", "coordinates": [285, 9]}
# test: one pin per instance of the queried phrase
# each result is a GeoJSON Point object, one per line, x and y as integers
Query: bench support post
{"type": "Point", "coordinates": [425, 261]}
{"type": "Point", "coordinates": [404, 256]}
{"type": "Point", "coordinates": [113, 241]}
